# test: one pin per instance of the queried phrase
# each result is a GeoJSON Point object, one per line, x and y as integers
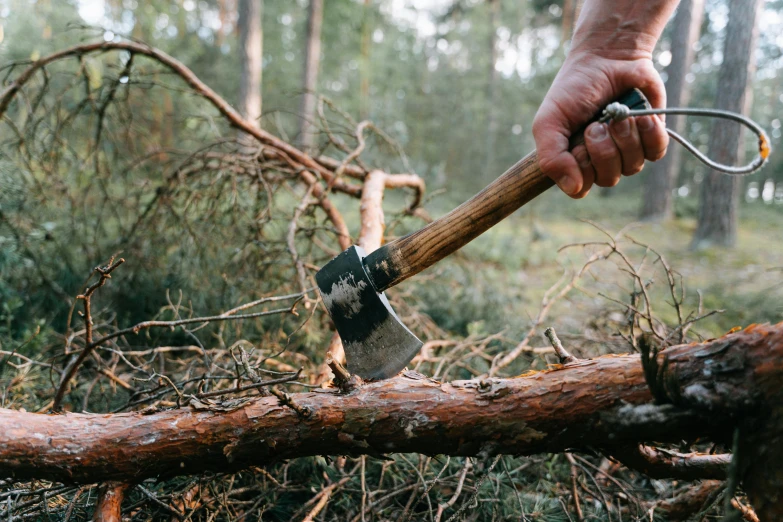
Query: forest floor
{"type": "Point", "coordinates": [495, 285]}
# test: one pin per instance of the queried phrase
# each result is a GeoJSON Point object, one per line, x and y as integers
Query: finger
{"type": "Point", "coordinates": [626, 137]}
{"type": "Point", "coordinates": [588, 172]}
{"type": "Point", "coordinates": [652, 130]}
{"type": "Point", "coordinates": [604, 155]}
{"type": "Point", "coordinates": [642, 75]}
{"type": "Point", "coordinates": [653, 136]}
{"type": "Point", "coordinates": [553, 157]}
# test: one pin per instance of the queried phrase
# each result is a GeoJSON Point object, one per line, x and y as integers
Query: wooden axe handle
{"type": "Point", "coordinates": [409, 255]}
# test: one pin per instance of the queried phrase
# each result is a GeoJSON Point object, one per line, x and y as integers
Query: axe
{"type": "Point", "coordinates": [377, 344]}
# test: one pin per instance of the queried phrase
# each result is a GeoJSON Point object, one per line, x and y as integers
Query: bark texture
{"type": "Point", "coordinates": [110, 497]}
{"type": "Point", "coordinates": [761, 457]}
{"type": "Point", "coordinates": [371, 209]}
{"type": "Point", "coordinates": [251, 48]}
{"type": "Point", "coordinates": [668, 464]}
{"type": "Point", "coordinates": [605, 402]}
{"type": "Point", "coordinates": [662, 176]}
{"type": "Point", "coordinates": [310, 75]}
{"type": "Point", "coordinates": [720, 193]}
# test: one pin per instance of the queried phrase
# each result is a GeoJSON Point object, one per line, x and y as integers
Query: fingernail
{"type": "Point", "coordinates": [567, 185]}
{"type": "Point", "coordinates": [622, 128]}
{"type": "Point", "coordinates": [597, 131]}
{"type": "Point", "coordinates": [645, 123]}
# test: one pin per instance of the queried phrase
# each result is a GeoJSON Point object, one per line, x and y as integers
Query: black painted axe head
{"type": "Point", "coordinates": [377, 344]}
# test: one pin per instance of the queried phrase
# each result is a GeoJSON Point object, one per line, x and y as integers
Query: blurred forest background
{"type": "Point", "coordinates": [109, 154]}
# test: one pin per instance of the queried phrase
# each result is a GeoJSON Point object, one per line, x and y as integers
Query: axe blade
{"type": "Point", "coordinates": [377, 344]}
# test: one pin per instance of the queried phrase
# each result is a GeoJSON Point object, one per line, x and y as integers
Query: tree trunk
{"type": "Point", "coordinates": [310, 75]}
{"type": "Point", "coordinates": [492, 84]}
{"type": "Point", "coordinates": [364, 67]}
{"type": "Point", "coordinates": [662, 176]}
{"type": "Point", "coordinates": [714, 388]}
{"type": "Point", "coordinates": [720, 193]}
{"type": "Point", "coordinates": [251, 45]}
{"type": "Point", "coordinates": [570, 14]}
{"type": "Point", "coordinates": [223, 15]}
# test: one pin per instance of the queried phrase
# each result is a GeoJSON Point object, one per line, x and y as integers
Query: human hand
{"type": "Point", "coordinates": [585, 84]}
{"type": "Point", "coordinates": [611, 53]}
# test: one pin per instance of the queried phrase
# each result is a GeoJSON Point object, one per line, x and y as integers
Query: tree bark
{"type": "Point", "coordinates": [110, 497]}
{"type": "Point", "coordinates": [662, 176]}
{"type": "Point", "coordinates": [364, 67]}
{"type": "Point", "coordinates": [310, 75]}
{"type": "Point", "coordinates": [571, 10]}
{"type": "Point", "coordinates": [371, 211]}
{"type": "Point", "coordinates": [714, 387]}
{"type": "Point", "coordinates": [251, 42]}
{"type": "Point", "coordinates": [717, 223]}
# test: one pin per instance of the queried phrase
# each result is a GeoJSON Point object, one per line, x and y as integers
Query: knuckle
{"type": "Point", "coordinates": [546, 162]}
{"type": "Point", "coordinates": [580, 155]}
{"type": "Point", "coordinates": [632, 143]}
{"type": "Point", "coordinates": [602, 154]}
{"type": "Point", "coordinates": [607, 179]}
{"type": "Point", "coordinates": [582, 194]}
{"type": "Point", "coordinates": [636, 169]}
{"type": "Point", "coordinates": [656, 154]}
{"type": "Point", "coordinates": [639, 168]}
{"type": "Point", "coordinates": [539, 123]}
{"type": "Point", "coordinates": [535, 129]}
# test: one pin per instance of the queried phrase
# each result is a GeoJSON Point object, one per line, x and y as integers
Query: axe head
{"type": "Point", "coordinates": [377, 344]}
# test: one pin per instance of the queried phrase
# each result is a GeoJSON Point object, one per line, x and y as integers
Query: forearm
{"type": "Point", "coordinates": [623, 29]}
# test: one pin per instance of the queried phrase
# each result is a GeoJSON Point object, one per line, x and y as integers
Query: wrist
{"type": "Point", "coordinates": [621, 29]}
{"type": "Point", "coordinates": [613, 45]}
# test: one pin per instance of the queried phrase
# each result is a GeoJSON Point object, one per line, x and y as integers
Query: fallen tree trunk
{"type": "Point", "coordinates": [713, 388]}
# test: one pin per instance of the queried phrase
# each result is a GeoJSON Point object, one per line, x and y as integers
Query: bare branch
{"type": "Point", "coordinates": [104, 274]}
{"type": "Point", "coordinates": [561, 352]}
{"type": "Point", "coordinates": [659, 463]}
